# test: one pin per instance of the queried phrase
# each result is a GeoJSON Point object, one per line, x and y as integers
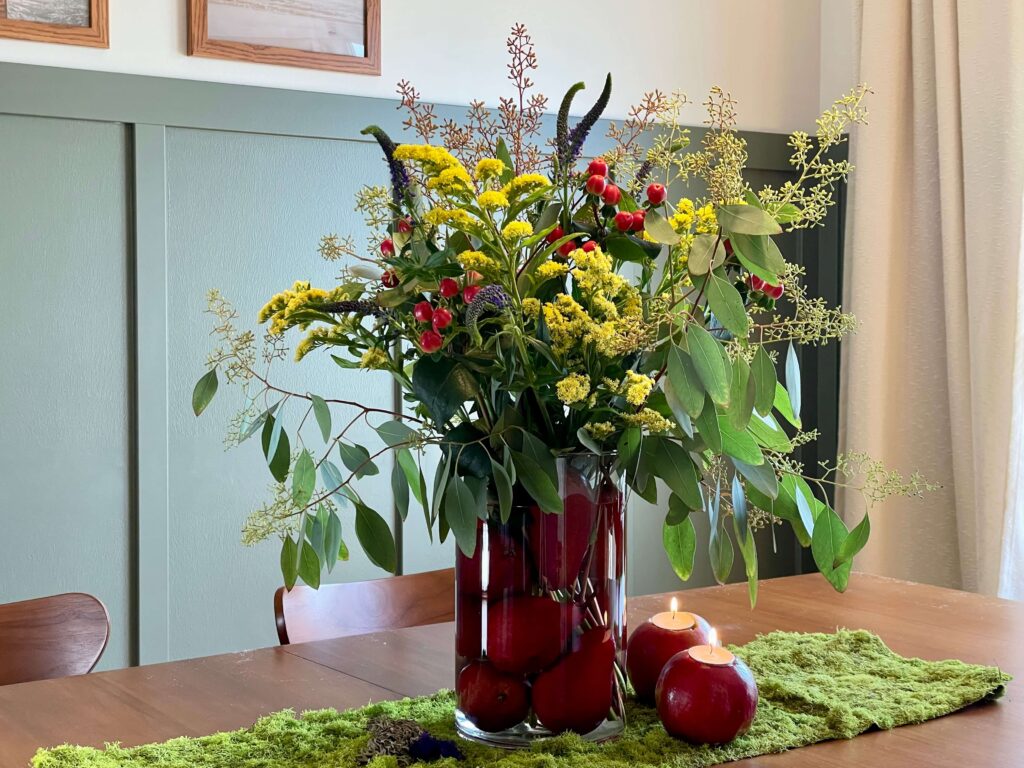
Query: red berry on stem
{"type": "Point", "coordinates": [404, 225]}
{"type": "Point", "coordinates": [389, 279]}
{"type": "Point", "coordinates": [773, 291]}
{"type": "Point", "coordinates": [656, 193]}
{"type": "Point", "coordinates": [554, 234]}
{"type": "Point", "coordinates": [423, 311]}
{"type": "Point", "coordinates": [623, 221]}
{"type": "Point", "coordinates": [442, 319]}
{"type": "Point", "coordinates": [589, 246]}
{"type": "Point", "coordinates": [756, 283]}
{"type": "Point", "coordinates": [566, 248]}
{"type": "Point", "coordinates": [387, 247]}
{"type": "Point", "coordinates": [637, 224]}
{"type": "Point", "coordinates": [611, 195]}
{"type": "Point", "coordinates": [597, 167]}
{"type": "Point", "coordinates": [448, 287]}
{"type": "Point", "coordinates": [430, 341]}
{"type": "Point", "coordinates": [469, 293]}
{"type": "Point", "coordinates": [596, 184]}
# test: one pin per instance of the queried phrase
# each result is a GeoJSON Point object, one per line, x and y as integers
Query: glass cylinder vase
{"type": "Point", "coordinates": [540, 614]}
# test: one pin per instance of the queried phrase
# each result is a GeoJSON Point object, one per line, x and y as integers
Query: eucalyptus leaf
{"type": "Point", "coordinates": [739, 510]}
{"type": "Point", "coordinates": [705, 252]}
{"type": "Point", "coordinates": [405, 460]}
{"type": "Point", "coordinates": [761, 476]}
{"type": "Point", "coordinates": [682, 379]}
{"type": "Point", "coordinates": [400, 490]}
{"type": "Point", "coordinates": [793, 381]}
{"type": "Point", "coordinates": [708, 426]}
{"type": "Point", "coordinates": [854, 542]}
{"type": "Point", "coordinates": [747, 220]}
{"type": "Point", "coordinates": [587, 441]}
{"type": "Point", "coordinates": [460, 511]}
{"type": "Point", "coordinates": [376, 538]}
{"type": "Point", "coordinates": [727, 304]}
{"type": "Point", "coordinates": [659, 229]}
{"type": "Point", "coordinates": [760, 255]}
{"type": "Point", "coordinates": [744, 392]}
{"type": "Point", "coordinates": [204, 391]}
{"type": "Point", "coordinates": [828, 540]}
{"type": "Point", "coordinates": [323, 416]}
{"type": "Point", "coordinates": [333, 481]}
{"type": "Point", "coordinates": [279, 460]}
{"type": "Point", "coordinates": [672, 464]}
{"type": "Point", "coordinates": [309, 565]}
{"type": "Point", "coordinates": [739, 444]}
{"type": "Point", "coordinates": [762, 370]}
{"type": "Point", "coordinates": [537, 483]}
{"type": "Point", "coordinates": [357, 459]}
{"type": "Point", "coordinates": [711, 364]}
{"type": "Point", "coordinates": [503, 487]}
{"type": "Point", "coordinates": [784, 405]}
{"type": "Point", "coordinates": [395, 433]}
{"type": "Point", "coordinates": [303, 479]}
{"type": "Point", "coordinates": [748, 551]}
{"type": "Point", "coordinates": [289, 562]}
{"type": "Point", "coordinates": [722, 554]}
{"type": "Point", "coordinates": [677, 510]}
{"type": "Point", "coordinates": [548, 217]}
{"type": "Point", "coordinates": [442, 386]}
{"type": "Point", "coordinates": [332, 540]}
{"type": "Point", "coordinates": [680, 542]}
{"type": "Point", "coordinates": [767, 432]}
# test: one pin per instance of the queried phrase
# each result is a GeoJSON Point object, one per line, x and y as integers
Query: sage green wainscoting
{"type": "Point", "coordinates": [123, 200]}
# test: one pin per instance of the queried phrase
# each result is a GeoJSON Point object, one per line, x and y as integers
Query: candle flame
{"type": "Point", "coordinates": [713, 640]}
{"type": "Point", "coordinates": [675, 606]}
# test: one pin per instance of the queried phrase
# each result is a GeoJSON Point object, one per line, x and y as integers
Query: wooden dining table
{"type": "Point", "coordinates": [201, 696]}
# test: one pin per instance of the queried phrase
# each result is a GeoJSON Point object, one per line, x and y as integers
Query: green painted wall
{"type": "Point", "coordinates": [122, 201]}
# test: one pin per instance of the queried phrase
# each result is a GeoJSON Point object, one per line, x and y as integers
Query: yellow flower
{"type": "Point", "coordinates": [650, 420]}
{"type": "Point", "coordinates": [551, 269]}
{"type": "Point", "coordinates": [531, 308]}
{"type": "Point", "coordinates": [451, 181]}
{"type": "Point", "coordinates": [706, 221]}
{"type": "Point", "coordinates": [516, 230]}
{"type": "Point", "coordinates": [599, 430]}
{"type": "Point", "coordinates": [282, 307]}
{"type": "Point", "coordinates": [525, 184]}
{"type": "Point", "coordinates": [481, 262]}
{"type": "Point", "coordinates": [433, 159]}
{"type": "Point", "coordinates": [453, 216]}
{"type": "Point", "coordinates": [492, 199]}
{"type": "Point", "coordinates": [488, 167]}
{"type": "Point", "coordinates": [573, 388]}
{"type": "Point", "coordinates": [638, 387]}
{"type": "Point", "coordinates": [374, 358]}
{"type": "Point", "coordinates": [682, 219]}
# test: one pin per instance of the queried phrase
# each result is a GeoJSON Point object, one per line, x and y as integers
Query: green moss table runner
{"type": "Point", "coordinates": [813, 687]}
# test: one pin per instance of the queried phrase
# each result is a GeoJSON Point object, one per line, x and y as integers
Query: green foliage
{"type": "Point", "coordinates": [204, 391]}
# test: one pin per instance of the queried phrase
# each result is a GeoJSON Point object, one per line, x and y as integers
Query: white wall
{"type": "Point", "coordinates": [766, 52]}
{"type": "Point", "coordinates": [839, 44]}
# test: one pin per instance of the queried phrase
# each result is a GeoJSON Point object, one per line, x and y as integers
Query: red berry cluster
{"type": "Point", "coordinates": [440, 317]}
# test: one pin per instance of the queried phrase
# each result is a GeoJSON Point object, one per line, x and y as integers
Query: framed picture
{"type": "Point", "coordinates": [340, 35]}
{"type": "Point", "coordinates": [75, 22]}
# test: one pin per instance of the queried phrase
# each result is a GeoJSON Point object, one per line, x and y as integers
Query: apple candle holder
{"type": "Point", "coordinates": [540, 632]}
{"type": "Point", "coordinates": [705, 695]}
{"type": "Point", "coordinates": [656, 641]}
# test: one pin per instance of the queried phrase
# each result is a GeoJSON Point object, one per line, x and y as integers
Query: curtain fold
{"type": "Point", "coordinates": [932, 273]}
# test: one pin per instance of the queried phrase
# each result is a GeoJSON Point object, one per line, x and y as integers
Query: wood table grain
{"type": "Point", "coordinates": [154, 703]}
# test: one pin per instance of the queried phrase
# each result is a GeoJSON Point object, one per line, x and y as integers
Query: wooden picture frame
{"type": "Point", "coordinates": [200, 43]}
{"type": "Point", "coordinates": [95, 35]}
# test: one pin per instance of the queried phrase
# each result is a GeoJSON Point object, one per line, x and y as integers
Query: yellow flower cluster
{"type": "Point", "coordinates": [456, 217]}
{"type": "Point", "coordinates": [330, 335]}
{"type": "Point", "coordinates": [600, 430]}
{"type": "Point", "coordinates": [374, 358]}
{"type": "Point", "coordinates": [551, 269]}
{"type": "Point", "coordinates": [650, 420]}
{"type": "Point", "coordinates": [488, 168]}
{"type": "Point", "coordinates": [525, 184]}
{"type": "Point", "coordinates": [517, 230]}
{"type": "Point", "coordinates": [531, 308]}
{"type": "Point", "coordinates": [682, 219]}
{"type": "Point", "coordinates": [707, 223]}
{"type": "Point", "coordinates": [479, 261]}
{"type": "Point", "coordinates": [638, 387]}
{"type": "Point", "coordinates": [451, 181]}
{"type": "Point", "coordinates": [492, 199]}
{"type": "Point", "coordinates": [688, 216]}
{"type": "Point", "coordinates": [593, 273]}
{"type": "Point", "coordinates": [571, 327]}
{"type": "Point", "coordinates": [283, 306]}
{"type": "Point", "coordinates": [433, 159]}
{"type": "Point", "coordinates": [573, 388]}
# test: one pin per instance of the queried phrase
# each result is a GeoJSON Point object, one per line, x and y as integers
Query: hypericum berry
{"type": "Point", "coordinates": [596, 184]}
{"type": "Point", "coordinates": [387, 247]}
{"type": "Point", "coordinates": [442, 319]}
{"type": "Point", "coordinates": [554, 234]}
{"type": "Point", "coordinates": [597, 167]}
{"type": "Point", "coordinates": [566, 248]}
{"type": "Point", "coordinates": [389, 279]}
{"type": "Point", "coordinates": [773, 291]}
{"type": "Point", "coordinates": [430, 341]}
{"type": "Point", "coordinates": [611, 195]}
{"type": "Point", "coordinates": [469, 293]}
{"type": "Point", "coordinates": [423, 311]}
{"type": "Point", "coordinates": [623, 221]}
{"type": "Point", "coordinates": [757, 283]}
{"type": "Point", "coordinates": [448, 287]}
{"type": "Point", "coordinates": [637, 224]}
{"type": "Point", "coordinates": [473, 277]}
{"type": "Point", "coordinates": [404, 225]}
{"type": "Point", "coordinates": [656, 194]}
{"type": "Point", "coordinates": [589, 246]}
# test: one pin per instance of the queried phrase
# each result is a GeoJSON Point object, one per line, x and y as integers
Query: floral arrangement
{"type": "Point", "coordinates": [531, 303]}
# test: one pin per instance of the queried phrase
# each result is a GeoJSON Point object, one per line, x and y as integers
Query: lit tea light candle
{"type": "Point", "coordinates": [656, 641]}
{"type": "Point", "coordinates": [706, 695]}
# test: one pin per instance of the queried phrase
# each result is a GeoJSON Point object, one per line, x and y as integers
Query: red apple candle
{"type": "Point", "coordinates": [705, 695]}
{"type": "Point", "coordinates": [656, 641]}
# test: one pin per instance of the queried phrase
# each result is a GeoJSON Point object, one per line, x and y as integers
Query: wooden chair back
{"type": "Point", "coordinates": [358, 608]}
{"type": "Point", "coordinates": [51, 637]}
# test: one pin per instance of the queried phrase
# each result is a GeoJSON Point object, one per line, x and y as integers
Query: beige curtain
{"type": "Point", "coordinates": [932, 273]}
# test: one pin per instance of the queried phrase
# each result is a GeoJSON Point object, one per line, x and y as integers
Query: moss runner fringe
{"type": "Point", "coordinates": [813, 687]}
